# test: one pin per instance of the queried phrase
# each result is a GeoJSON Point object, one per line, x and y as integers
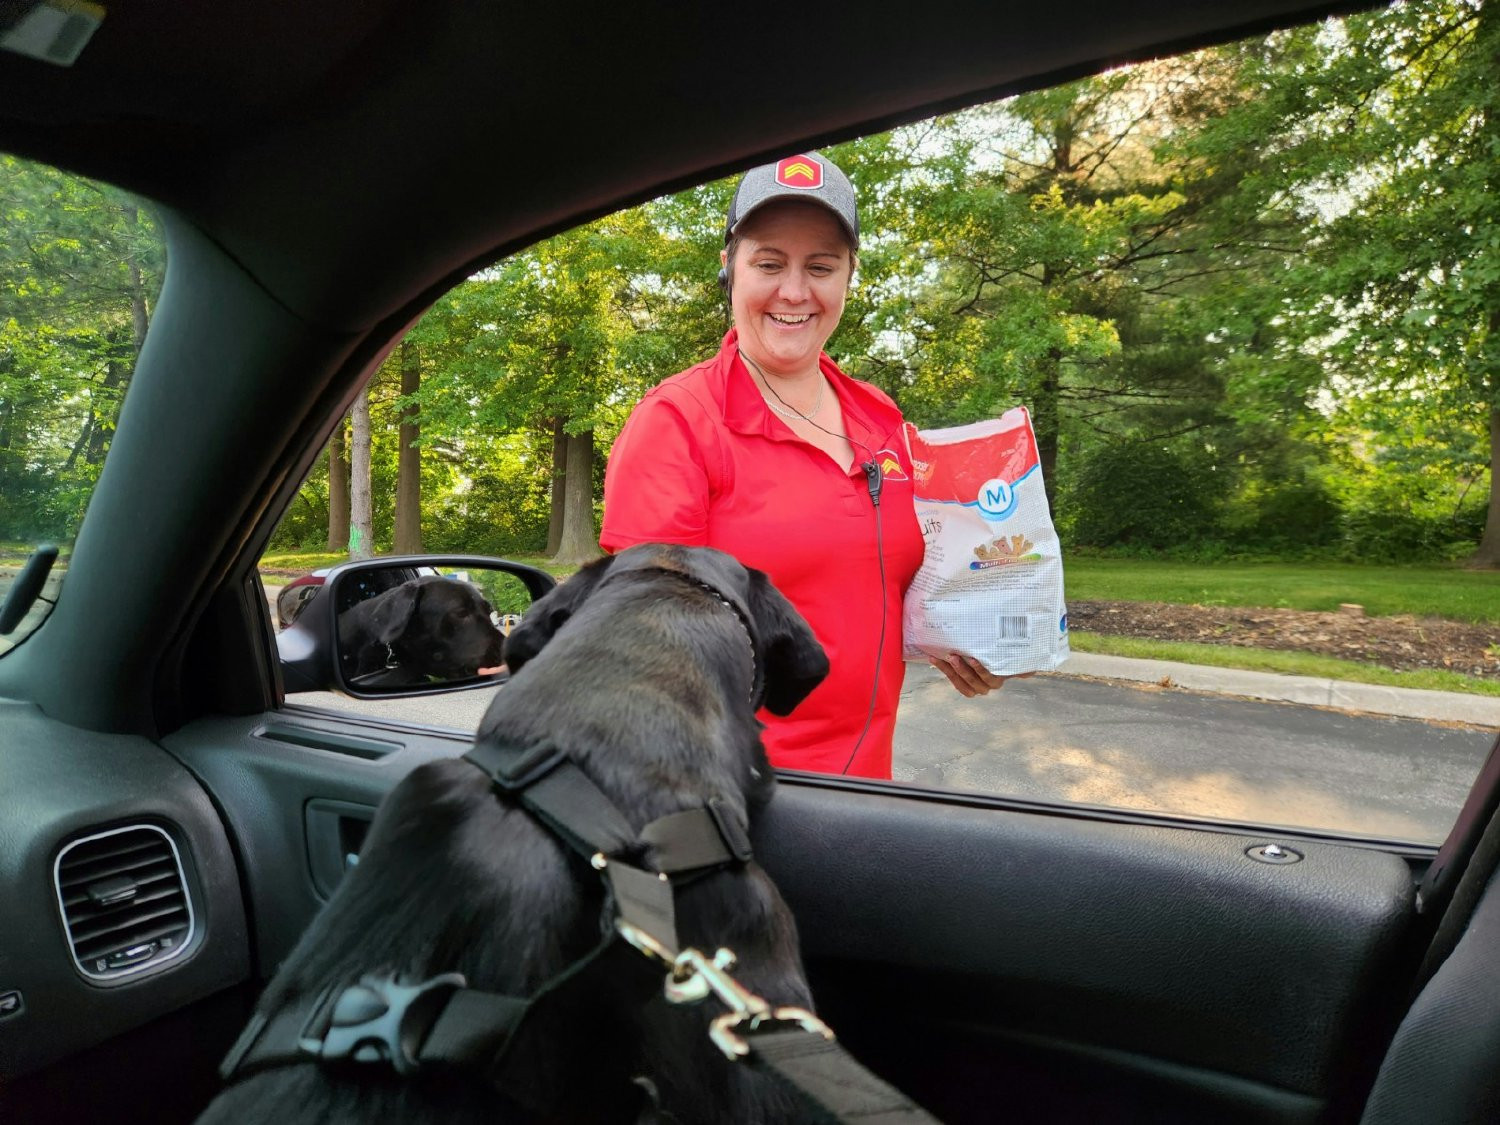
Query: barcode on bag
{"type": "Point", "coordinates": [1013, 628]}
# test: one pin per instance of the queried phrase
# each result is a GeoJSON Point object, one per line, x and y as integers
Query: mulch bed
{"type": "Point", "coordinates": [1403, 643]}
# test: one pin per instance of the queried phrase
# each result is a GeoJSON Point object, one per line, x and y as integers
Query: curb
{"type": "Point", "coordinates": [1342, 695]}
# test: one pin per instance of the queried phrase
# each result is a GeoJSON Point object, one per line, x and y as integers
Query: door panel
{"type": "Point", "coordinates": [968, 952]}
{"type": "Point", "coordinates": [974, 954]}
{"type": "Point", "coordinates": [296, 790]}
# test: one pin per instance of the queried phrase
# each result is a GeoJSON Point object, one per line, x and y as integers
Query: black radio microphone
{"type": "Point", "coordinates": [874, 479]}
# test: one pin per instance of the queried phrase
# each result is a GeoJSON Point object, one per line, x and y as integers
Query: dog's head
{"type": "Point", "coordinates": [431, 626]}
{"type": "Point", "coordinates": [790, 661]}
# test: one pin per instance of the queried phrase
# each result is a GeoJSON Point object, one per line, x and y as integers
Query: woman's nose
{"type": "Point", "coordinates": [794, 285]}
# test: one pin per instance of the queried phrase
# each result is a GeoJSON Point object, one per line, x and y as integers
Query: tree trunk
{"type": "Point", "coordinates": [101, 424]}
{"type": "Point", "coordinates": [361, 521]}
{"type": "Point", "coordinates": [555, 512]}
{"type": "Point", "coordinates": [1046, 408]}
{"type": "Point", "coordinates": [408, 530]}
{"type": "Point", "coordinates": [1045, 413]}
{"type": "Point", "coordinates": [139, 314]}
{"type": "Point", "coordinates": [1488, 555]}
{"type": "Point", "coordinates": [338, 490]}
{"type": "Point", "coordinates": [580, 540]}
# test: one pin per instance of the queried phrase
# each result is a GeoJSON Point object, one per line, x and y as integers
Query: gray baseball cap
{"type": "Point", "coordinates": [808, 176]}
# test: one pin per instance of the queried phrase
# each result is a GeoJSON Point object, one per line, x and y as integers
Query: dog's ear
{"type": "Point", "coordinates": [550, 613]}
{"type": "Point", "coordinates": [387, 615]}
{"type": "Point", "coordinates": [793, 660]}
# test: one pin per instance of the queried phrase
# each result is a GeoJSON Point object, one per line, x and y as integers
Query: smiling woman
{"type": "Point", "coordinates": [772, 453]}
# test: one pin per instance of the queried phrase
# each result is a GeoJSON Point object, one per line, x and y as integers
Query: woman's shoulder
{"type": "Point", "coordinates": [700, 387]}
{"type": "Point", "coordinates": [868, 395]}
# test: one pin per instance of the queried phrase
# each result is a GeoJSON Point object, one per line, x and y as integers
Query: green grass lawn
{"type": "Point", "coordinates": [1435, 590]}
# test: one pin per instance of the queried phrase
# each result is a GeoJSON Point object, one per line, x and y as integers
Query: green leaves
{"type": "Point", "coordinates": [80, 267]}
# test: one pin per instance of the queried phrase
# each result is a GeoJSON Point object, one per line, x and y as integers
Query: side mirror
{"type": "Point", "coordinates": [403, 625]}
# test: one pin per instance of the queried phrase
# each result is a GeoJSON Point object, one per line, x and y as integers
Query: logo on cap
{"type": "Point", "coordinates": [799, 172]}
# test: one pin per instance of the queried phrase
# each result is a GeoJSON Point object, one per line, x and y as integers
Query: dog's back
{"type": "Point", "coordinates": [648, 690]}
{"type": "Point", "coordinates": [450, 880]}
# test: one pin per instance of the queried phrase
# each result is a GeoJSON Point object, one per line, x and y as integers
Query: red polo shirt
{"type": "Point", "coordinates": [704, 462]}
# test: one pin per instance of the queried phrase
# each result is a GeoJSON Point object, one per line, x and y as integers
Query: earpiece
{"type": "Point", "coordinates": [724, 279]}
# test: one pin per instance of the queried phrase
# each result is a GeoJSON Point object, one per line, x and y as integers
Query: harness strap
{"type": "Point", "coordinates": [550, 786]}
{"type": "Point", "coordinates": [439, 1021]}
{"type": "Point", "coordinates": [835, 1087]}
{"type": "Point", "coordinates": [694, 838]}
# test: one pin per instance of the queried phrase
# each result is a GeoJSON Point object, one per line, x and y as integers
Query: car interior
{"type": "Point", "coordinates": [326, 172]}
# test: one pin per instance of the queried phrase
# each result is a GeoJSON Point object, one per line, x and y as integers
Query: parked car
{"type": "Point", "coordinates": [325, 173]}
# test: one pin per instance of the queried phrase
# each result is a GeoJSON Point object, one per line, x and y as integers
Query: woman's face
{"type": "Point", "coordinates": [790, 275]}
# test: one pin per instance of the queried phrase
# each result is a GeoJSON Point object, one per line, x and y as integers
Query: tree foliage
{"type": "Point", "coordinates": [80, 267]}
{"type": "Point", "coordinates": [1250, 295]}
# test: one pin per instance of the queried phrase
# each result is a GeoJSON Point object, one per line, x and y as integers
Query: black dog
{"type": "Point", "coordinates": [643, 669]}
{"type": "Point", "coordinates": [428, 628]}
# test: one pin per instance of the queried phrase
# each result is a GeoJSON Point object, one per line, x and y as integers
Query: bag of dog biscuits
{"type": "Point", "coordinates": [991, 581]}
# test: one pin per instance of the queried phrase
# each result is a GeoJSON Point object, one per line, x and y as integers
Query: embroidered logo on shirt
{"type": "Point", "coordinates": [890, 465]}
{"type": "Point", "coordinates": [799, 172]}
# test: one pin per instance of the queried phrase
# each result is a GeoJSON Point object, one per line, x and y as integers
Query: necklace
{"type": "Point", "coordinates": [780, 405]}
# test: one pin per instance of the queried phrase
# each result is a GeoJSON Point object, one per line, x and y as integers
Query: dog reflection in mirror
{"type": "Point", "coordinates": [642, 668]}
{"type": "Point", "coordinates": [424, 630]}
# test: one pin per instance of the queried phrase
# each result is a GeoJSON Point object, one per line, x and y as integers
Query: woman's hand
{"type": "Point", "coordinates": [970, 677]}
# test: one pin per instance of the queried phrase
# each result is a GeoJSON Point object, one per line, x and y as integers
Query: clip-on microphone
{"type": "Point", "coordinates": [874, 480]}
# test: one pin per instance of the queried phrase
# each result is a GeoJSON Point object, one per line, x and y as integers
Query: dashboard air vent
{"type": "Point", "coordinates": [124, 901]}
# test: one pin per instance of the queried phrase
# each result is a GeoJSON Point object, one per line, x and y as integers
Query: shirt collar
{"type": "Point", "coordinates": [746, 411]}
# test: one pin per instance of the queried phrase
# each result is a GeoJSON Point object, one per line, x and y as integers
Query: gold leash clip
{"type": "Point", "coordinates": [694, 977]}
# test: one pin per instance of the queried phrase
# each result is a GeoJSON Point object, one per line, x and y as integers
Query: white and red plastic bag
{"type": "Point", "coordinates": [991, 581]}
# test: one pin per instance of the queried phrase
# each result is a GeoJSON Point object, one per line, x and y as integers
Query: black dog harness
{"type": "Point", "coordinates": [442, 1022]}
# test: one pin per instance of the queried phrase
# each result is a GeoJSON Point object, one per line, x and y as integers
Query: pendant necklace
{"type": "Point", "coordinates": [780, 405]}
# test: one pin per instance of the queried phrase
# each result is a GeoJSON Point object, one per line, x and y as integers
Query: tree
{"type": "Point", "coordinates": [560, 340]}
{"type": "Point", "coordinates": [80, 266]}
{"type": "Point", "coordinates": [361, 510]}
{"type": "Point", "coordinates": [408, 519]}
{"type": "Point", "coordinates": [338, 490]}
{"type": "Point", "coordinates": [1065, 244]}
{"type": "Point", "coordinates": [1383, 133]}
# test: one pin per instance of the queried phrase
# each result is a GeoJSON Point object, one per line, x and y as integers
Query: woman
{"type": "Point", "coordinates": [769, 452]}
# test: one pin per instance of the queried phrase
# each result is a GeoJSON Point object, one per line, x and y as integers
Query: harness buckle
{"type": "Point", "coordinates": [378, 1020]}
{"type": "Point", "coordinates": [694, 977]}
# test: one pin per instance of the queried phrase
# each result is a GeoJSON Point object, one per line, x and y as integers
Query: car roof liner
{"type": "Point", "coordinates": [534, 118]}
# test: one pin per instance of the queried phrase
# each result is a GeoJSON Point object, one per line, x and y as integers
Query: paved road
{"type": "Point", "coordinates": [1139, 746]}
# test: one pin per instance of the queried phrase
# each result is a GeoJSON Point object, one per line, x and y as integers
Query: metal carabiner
{"type": "Point", "coordinates": [694, 977]}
